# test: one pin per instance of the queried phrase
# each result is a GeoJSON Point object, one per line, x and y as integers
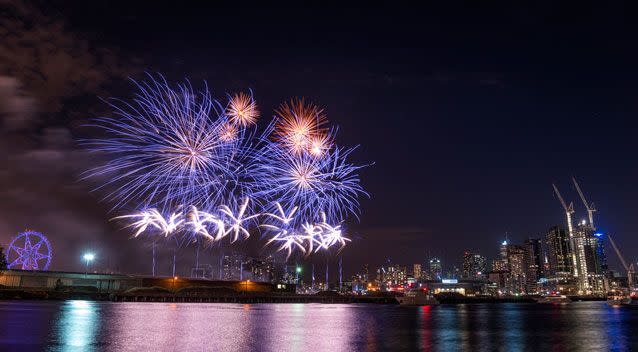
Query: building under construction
{"type": "Point", "coordinates": [576, 255]}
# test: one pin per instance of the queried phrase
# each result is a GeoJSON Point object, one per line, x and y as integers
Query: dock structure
{"type": "Point", "coordinates": [25, 284]}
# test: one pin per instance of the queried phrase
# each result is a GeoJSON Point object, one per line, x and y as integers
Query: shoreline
{"type": "Point", "coordinates": [241, 297]}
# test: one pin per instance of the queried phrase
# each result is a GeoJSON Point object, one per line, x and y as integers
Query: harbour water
{"type": "Point", "coordinates": [109, 326]}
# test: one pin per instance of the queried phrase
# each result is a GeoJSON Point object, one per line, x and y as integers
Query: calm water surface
{"type": "Point", "coordinates": [106, 326]}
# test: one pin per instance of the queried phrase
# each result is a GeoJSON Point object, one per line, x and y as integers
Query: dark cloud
{"type": "Point", "coordinates": [45, 73]}
{"type": "Point", "coordinates": [44, 66]}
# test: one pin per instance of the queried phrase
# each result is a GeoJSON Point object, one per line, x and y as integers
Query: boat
{"type": "Point", "coordinates": [619, 298]}
{"type": "Point", "coordinates": [553, 299]}
{"type": "Point", "coordinates": [416, 298]}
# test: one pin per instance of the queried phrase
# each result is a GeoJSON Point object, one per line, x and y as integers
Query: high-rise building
{"type": "Point", "coordinates": [533, 264]}
{"type": "Point", "coordinates": [380, 278]}
{"type": "Point", "coordinates": [594, 261]}
{"type": "Point", "coordinates": [499, 265]}
{"type": "Point", "coordinates": [474, 265]}
{"type": "Point", "coordinates": [416, 271]}
{"type": "Point", "coordinates": [396, 275]}
{"type": "Point", "coordinates": [436, 269]}
{"type": "Point", "coordinates": [601, 254]}
{"type": "Point", "coordinates": [233, 266]}
{"type": "Point", "coordinates": [361, 279]}
{"type": "Point", "coordinates": [503, 249]}
{"type": "Point", "coordinates": [261, 270]}
{"type": "Point", "coordinates": [559, 252]}
{"type": "Point", "coordinates": [516, 261]}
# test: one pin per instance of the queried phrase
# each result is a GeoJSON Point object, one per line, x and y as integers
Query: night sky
{"type": "Point", "coordinates": [469, 112]}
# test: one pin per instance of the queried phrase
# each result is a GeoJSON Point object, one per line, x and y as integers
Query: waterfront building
{"type": "Point", "coordinates": [559, 252]}
{"type": "Point", "coordinates": [261, 270]}
{"type": "Point", "coordinates": [360, 280]}
{"type": "Point", "coordinates": [436, 269]}
{"type": "Point", "coordinates": [474, 265]}
{"type": "Point", "coordinates": [595, 260]}
{"type": "Point", "coordinates": [396, 275]}
{"type": "Point", "coordinates": [232, 266]}
{"type": "Point", "coordinates": [601, 254]}
{"type": "Point", "coordinates": [500, 279]}
{"type": "Point", "coordinates": [380, 277]}
{"type": "Point", "coordinates": [533, 264]}
{"type": "Point", "coordinates": [416, 271]}
{"type": "Point", "coordinates": [516, 262]}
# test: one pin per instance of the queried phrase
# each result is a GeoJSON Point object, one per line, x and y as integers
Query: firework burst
{"type": "Point", "coordinates": [315, 185]}
{"type": "Point", "coordinates": [242, 109]}
{"type": "Point", "coordinates": [172, 147]}
{"type": "Point", "coordinates": [179, 150]}
{"type": "Point", "coordinates": [298, 124]}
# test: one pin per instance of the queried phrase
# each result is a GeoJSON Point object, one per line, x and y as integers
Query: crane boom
{"type": "Point", "coordinates": [562, 201]}
{"type": "Point", "coordinates": [622, 259]}
{"type": "Point", "coordinates": [589, 206]}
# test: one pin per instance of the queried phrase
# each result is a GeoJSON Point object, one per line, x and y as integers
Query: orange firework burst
{"type": "Point", "coordinates": [298, 124]}
{"type": "Point", "coordinates": [242, 109]}
{"type": "Point", "coordinates": [228, 132]}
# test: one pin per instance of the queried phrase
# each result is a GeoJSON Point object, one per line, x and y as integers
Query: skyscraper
{"type": "Point", "coordinates": [474, 265]}
{"type": "Point", "coordinates": [516, 260]}
{"type": "Point", "coordinates": [232, 266]}
{"type": "Point", "coordinates": [595, 261]}
{"type": "Point", "coordinates": [559, 252]}
{"type": "Point", "coordinates": [533, 263]}
{"type": "Point", "coordinates": [601, 254]}
{"type": "Point", "coordinates": [416, 271]}
{"type": "Point", "coordinates": [436, 270]}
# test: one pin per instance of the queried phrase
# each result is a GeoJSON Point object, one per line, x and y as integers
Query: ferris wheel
{"type": "Point", "coordinates": [29, 250]}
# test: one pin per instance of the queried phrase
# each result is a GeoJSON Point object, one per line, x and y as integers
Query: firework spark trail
{"type": "Point", "coordinates": [288, 242]}
{"type": "Point", "coordinates": [306, 237]}
{"type": "Point", "coordinates": [152, 217]}
{"type": "Point", "coordinates": [238, 219]}
{"type": "Point", "coordinates": [199, 220]}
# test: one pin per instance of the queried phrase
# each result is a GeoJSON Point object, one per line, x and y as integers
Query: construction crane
{"type": "Point", "coordinates": [589, 206]}
{"type": "Point", "coordinates": [628, 268]}
{"type": "Point", "coordinates": [569, 210]}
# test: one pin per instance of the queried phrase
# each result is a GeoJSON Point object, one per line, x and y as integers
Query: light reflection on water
{"type": "Point", "coordinates": [77, 325]}
{"type": "Point", "coordinates": [105, 326]}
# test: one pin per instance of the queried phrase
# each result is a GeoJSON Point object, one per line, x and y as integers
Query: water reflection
{"type": "Point", "coordinates": [75, 329]}
{"type": "Point", "coordinates": [87, 326]}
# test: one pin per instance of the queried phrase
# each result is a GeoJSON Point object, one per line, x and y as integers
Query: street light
{"type": "Point", "coordinates": [298, 272]}
{"type": "Point", "coordinates": [88, 257]}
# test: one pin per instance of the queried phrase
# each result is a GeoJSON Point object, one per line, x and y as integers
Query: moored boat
{"type": "Point", "coordinates": [619, 298]}
{"type": "Point", "coordinates": [553, 299]}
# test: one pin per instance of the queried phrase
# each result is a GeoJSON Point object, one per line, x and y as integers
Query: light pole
{"type": "Point", "coordinates": [88, 257]}
{"type": "Point", "coordinates": [298, 271]}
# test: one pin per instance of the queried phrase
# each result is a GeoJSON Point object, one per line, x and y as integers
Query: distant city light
{"type": "Point", "coordinates": [298, 269]}
{"type": "Point", "coordinates": [89, 257]}
{"type": "Point", "coordinates": [598, 234]}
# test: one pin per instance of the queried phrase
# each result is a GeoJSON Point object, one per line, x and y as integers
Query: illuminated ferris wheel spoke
{"type": "Point", "coordinates": [29, 250]}
{"type": "Point", "coordinates": [15, 262]}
